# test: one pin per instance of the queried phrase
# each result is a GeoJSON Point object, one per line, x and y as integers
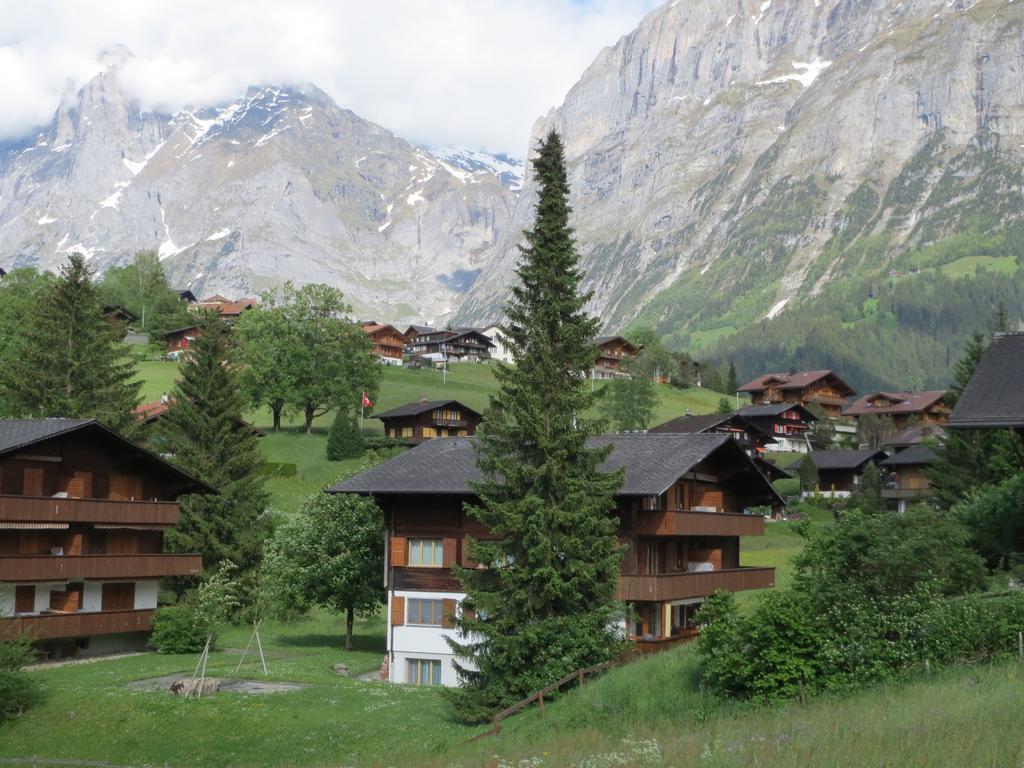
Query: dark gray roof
{"type": "Point", "coordinates": [692, 424]}
{"type": "Point", "coordinates": [844, 459]}
{"type": "Point", "coordinates": [448, 465]}
{"type": "Point", "coordinates": [415, 409]}
{"type": "Point", "coordinates": [17, 434]}
{"type": "Point", "coordinates": [915, 454]}
{"type": "Point", "coordinates": [696, 424]}
{"type": "Point", "coordinates": [21, 433]}
{"type": "Point", "coordinates": [994, 397]}
{"type": "Point", "coordinates": [765, 411]}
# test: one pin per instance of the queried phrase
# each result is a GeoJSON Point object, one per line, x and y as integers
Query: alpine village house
{"type": "Point", "coordinates": [426, 419]}
{"type": "Point", "coordinates": [82, 516]}
{"type": "Point", "coordinates": [681, 514]}
{"type": "Point", "coordinates": [802, 387]}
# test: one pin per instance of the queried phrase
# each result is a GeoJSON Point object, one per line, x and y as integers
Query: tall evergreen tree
{"type": "Point", "coordinates": [204, 432]}
{"type": "Point", "coordinates": [544, 604]}
{"type": "Point", "coordinates": [731, 382]}
{"type": "Point", "coordinates": [68, 361]}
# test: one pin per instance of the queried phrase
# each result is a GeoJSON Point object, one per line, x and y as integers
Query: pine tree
{"type": "Point", "coordinates": [204, 432]}
{"type": "Point", "coordinates": [69, 361]}
{"type": "Point", "coordinates": [544, 604]}
{"type": "Point", "coordinates": [344, 440]}
{"type": "Point", "coordinates": [731, 382]}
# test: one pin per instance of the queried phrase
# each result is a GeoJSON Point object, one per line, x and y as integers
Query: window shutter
{"type": "Point", "coordinates": [398, 550]}
{"type": "Point", "coordinates": [448, 613]}
{"type": "Point", "coordinates": [448, 552]}
{"type": "Point", "coordinates": [467, 561]}
{"type": "Point", "coordinates": [397, 610]}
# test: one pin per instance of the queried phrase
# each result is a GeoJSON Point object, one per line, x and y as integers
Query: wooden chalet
{"type": "Point", "coordinates": [226, 308]}
{"type": "Point", "coordinates": [787, 423]}
{"type": "Point", "coordinates": [427, 419]}
{"type": "Point", "coordinates": [840, 472]}
{"type": "Point", "coordinates": [453, 345]}
{"type": "Point", "coordinates": [802, 387]}
{"type": "Point", "coordinates": [751, 438]}
{"type": "Point", "coordinates": [906, 476]}
{"type": "Point", "coordinates": [388, 342]}
{"type": "Point", "coordinates": [994, 397]}
{"type": "Point", "coordinates": [911, 436]}
{"type": "Point", "coordinates": [82, 517]}
{"type": "Point", "coordinates": [613, 354]}
{"type": "Point", "coordinates": [412, 331]}
{"type": "Point", "coordinates": [680, 512]}
{"type": "Point", "coordinates": [178, 341]}
{"type": "Point", "coordinates": [903, 407]}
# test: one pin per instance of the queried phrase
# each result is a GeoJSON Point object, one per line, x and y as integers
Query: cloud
{"type": "Point", "coordinates": [469, 72]}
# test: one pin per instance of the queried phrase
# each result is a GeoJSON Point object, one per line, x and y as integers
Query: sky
{"type": "Point", "coordinates": [473, 73]}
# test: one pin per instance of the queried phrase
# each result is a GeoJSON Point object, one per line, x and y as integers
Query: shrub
{"type": "Point", "coordinates": [345, 440]}
{"type": "Point", "coordinates": [178, 629]}
{"type": "Point", "coordinates": [17, 692]}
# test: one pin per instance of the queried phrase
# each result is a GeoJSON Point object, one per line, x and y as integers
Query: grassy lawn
{"type": "Point", "coordinates": [653, 712]}
{"type": "Point", "coordinates": [335, 721]}
{"type": "Point", "coordinates": [969, 265]}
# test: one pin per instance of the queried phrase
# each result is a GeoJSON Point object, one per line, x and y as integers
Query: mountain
{"type": "Point", "coordinates": [281, 184]}
{"type": "Point", "coordinates": [745, 171]}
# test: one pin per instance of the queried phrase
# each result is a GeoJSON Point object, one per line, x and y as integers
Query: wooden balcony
{"type": "Point", "coordinates": [27, 568]}
{"type": "Point", "coordinates": [53, 625]}
{"type": "Point", "coordinates": [669, 522]}
{"type": "Point", "coordinates": [45, 509]}
{"type": "Point", "coordinates": [453, 423]}
{"type": "Point", "coordinates": [905, 493]}
{"type": "Point", "coordinates": [677, 586]}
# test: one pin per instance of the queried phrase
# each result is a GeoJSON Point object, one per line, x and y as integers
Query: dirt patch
{"type": "Point", "coordinates": [253, 687]}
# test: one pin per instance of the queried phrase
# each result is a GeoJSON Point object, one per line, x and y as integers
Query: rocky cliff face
{"type": "Point", "coordinates": [279, 185]}
{"type": "Point", "coordinates": [730, 158]}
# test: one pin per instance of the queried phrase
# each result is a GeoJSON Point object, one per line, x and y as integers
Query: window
{"type": "Point", "coordinates": [429, 432]}
{"type": "Point", "coordinates": [406, 431]}
{"type": "Point", "coordinates": [424, 672]}
{"type": "Point", "coordinates": [422, 611]}
{"type": "Point", "coordinates": [426, 553]}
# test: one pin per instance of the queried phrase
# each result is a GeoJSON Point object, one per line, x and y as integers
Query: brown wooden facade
{"type": "Point", "coordinates": [681, 546]}
{"type": "Point", "coordinates": [614, 353]}
{"type": "Point", "coordinates": [824, 388]}
{"type": "Point", "coordinates": [82, 518]}
{"type": "Point", "coordinates": [904, 408]}
{"type": "Point", "coordinates": [388, 342]}
{"type": "Point", "coordinates": [421, 421]}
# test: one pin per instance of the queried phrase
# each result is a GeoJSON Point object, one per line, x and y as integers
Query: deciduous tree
{"type": "Point", "coordinates": [331, 554]}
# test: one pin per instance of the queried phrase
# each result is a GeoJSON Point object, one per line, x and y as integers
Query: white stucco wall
{"type": "Point", "coordinates": [422, 642]}
{"type": "Point", "coordinates": [146, 594]}
{"type": "Point", "coordinates": [92, 597]}
{"type": "Point", "coordinates": [43, 595]}
{"type": "Point", "coordinates": [6, 599]}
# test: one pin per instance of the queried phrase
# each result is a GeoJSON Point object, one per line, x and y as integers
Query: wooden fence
{"type": "Point", "coordinates": [579, 676]}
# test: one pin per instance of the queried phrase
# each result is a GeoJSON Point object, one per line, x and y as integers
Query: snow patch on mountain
{"type": "Point", "coordinates": [464, 163]}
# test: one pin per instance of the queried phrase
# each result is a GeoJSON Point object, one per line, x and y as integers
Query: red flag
{"type": "Point", "coordinates": [366, 401]}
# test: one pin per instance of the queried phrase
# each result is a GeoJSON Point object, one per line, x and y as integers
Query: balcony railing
{"type": "Point", "coordinates": [904, 493]}
{"type": "Point", "coordinates": [72, 567]}
{"type": "Point", "coordinates": [33, 509]}
{"type": "Point", "coordinates": [677, 586]}
{"type": "Point", "coordinates": [668, 522]}
{"type": "Point", "coordinates": [77, 624]}
{"type": "Point", "coordinates": [455, 423]}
